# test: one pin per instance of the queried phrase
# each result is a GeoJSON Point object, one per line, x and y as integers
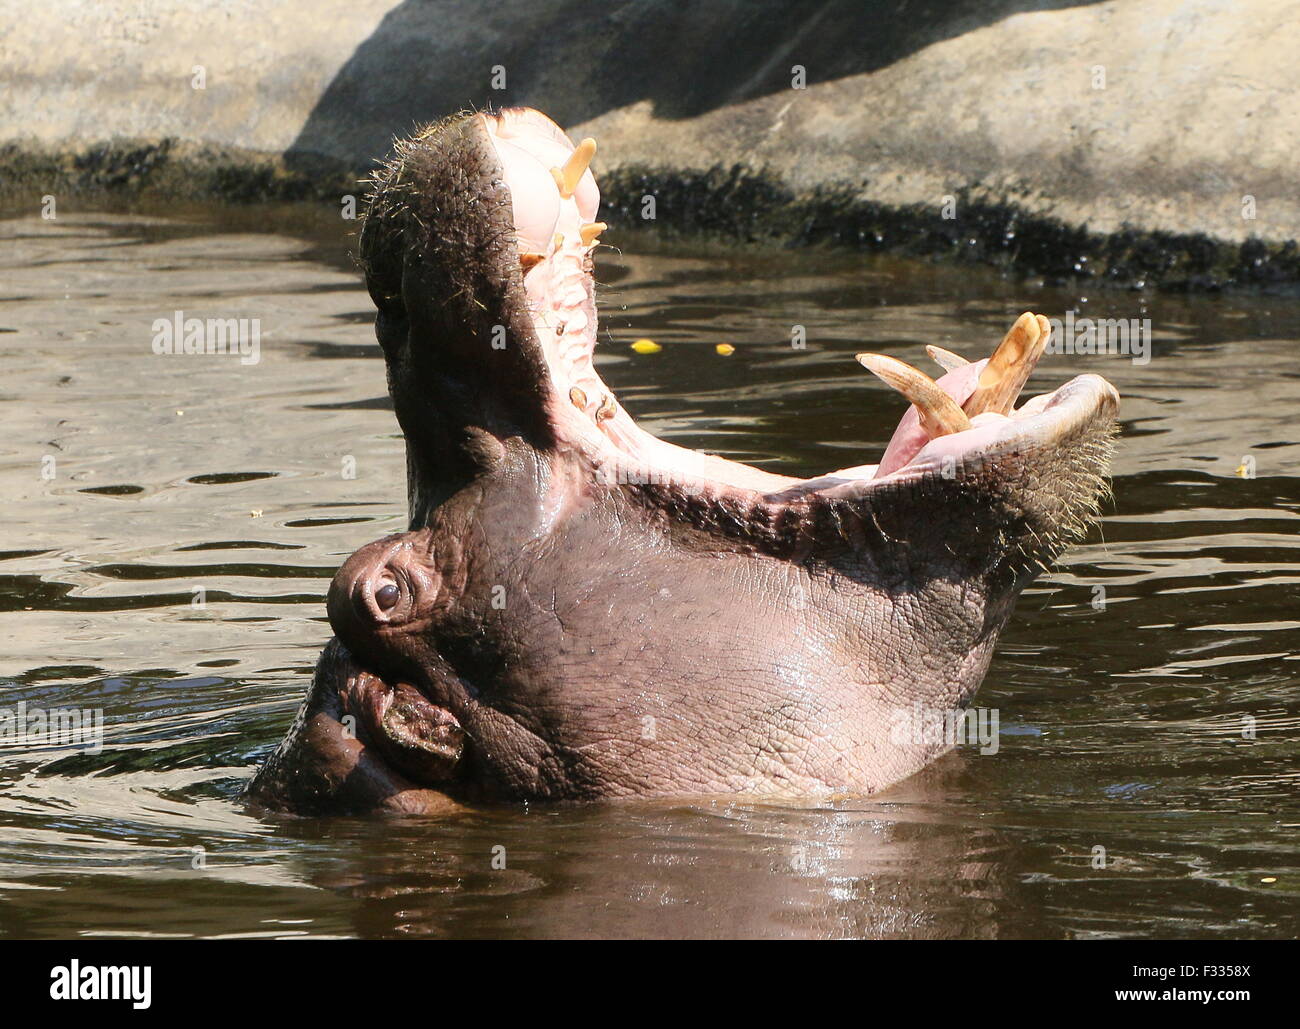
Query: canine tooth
{"type": "Point", "coordinates": [939, 413]}
{"type": "Point", "coordinates": [568, 177]}
{"type": "Point", "coordinates": [530, 260]}
{"type": "Point", "coordinates": [1008, 369]}
{"type": "Point", "coordinates": [578, 398]}
{"type": "Point", "coordinates": [606, 409]}
{"type": "Point", "coordinates": [946, 359]}
{"type": "Point", "coordinates": [590, 231]}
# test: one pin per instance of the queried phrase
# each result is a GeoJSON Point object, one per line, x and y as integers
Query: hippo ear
{"type": "Point", "coordinates": [420, 739]}
{"type": "Point", "coordinates": [334, 761]}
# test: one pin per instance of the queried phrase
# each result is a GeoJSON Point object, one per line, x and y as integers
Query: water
{"type": "Point", "coordinates": [1122, 728]}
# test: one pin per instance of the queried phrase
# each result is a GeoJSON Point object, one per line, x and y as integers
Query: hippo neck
{"type": "Point", "coordinates": [900, 545]}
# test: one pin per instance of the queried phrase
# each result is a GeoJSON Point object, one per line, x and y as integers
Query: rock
{"type": "Point", "coordinates": [1145, 141]}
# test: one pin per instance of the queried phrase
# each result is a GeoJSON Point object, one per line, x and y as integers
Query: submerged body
{"type": "Point", "coordinates": [581, 610]}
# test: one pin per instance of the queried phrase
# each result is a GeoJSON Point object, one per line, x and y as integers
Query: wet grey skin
{"type": "Point", "coordinates": [582, 611]}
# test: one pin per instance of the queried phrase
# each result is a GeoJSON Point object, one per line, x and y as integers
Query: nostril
{"type": "Point", "coordinates": [387, 596]}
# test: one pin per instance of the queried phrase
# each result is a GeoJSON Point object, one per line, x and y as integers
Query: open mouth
{"type": "Point", "coordinates": [568, 578]}
{"type": "Point", "coordinates": [967, 421]}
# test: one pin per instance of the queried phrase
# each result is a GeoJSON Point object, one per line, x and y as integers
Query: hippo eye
{"type": "Point", "coordinates": [387, 596]}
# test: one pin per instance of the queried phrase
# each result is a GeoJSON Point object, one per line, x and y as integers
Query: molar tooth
{"type": "Point", "coordinates": [606, 409]}
{"type": "Point", "coordinates": [1008, 369]}
{"type": "Point", "coordinates": [578, 398]}
{"type": "Point", "coordinates": [568, 177]}
{"type": "Point", "coordinates": [528, 261]}
{"type": "Point", "coordinates": [590, 231]}
{"type": "Point", "coordinates": [946, 359]}
{"type": "Point", "coordinates": [939, 413]}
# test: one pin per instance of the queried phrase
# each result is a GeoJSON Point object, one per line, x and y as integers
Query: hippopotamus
{"type": "Point", "coordinates": [580, 610]}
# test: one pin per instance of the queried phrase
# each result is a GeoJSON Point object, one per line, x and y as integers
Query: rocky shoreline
{"type": "Point", "coordinates": [1145, 144]}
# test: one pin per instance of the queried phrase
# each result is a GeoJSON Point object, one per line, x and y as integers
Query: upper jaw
{"type": "Point", "coordinates": [548, 198]}
{"type": "Point", "coordinates": [554, 200]}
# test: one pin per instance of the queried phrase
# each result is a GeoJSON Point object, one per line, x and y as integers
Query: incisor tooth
{"type": "Point", "coordinates": [530, 260]}
{"type": "Point", "coordinates": [946, 359]}
{"type": "Point", "coordinates": [568, 177]}
{"type": "Point", "coordinates": [939, 413]}
{"type": "Point", "coordinates": [590, 231]}
{"type": "Point", "coordinates": [1008, 369]}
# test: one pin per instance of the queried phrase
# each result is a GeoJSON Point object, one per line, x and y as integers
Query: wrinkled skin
{"type": "Point", "coordinates": [582, 611]}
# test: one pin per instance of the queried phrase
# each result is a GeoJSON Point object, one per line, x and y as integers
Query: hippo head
{"type": "Point", "coordinates": [582, 610]}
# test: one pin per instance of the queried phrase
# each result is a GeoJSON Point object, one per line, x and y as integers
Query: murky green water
{"type": "Point", "coordinates": [131, 481]}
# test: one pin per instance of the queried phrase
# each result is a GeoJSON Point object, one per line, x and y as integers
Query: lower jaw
{"type": "Point", "coordinates": [618, 452]}
{"type": "Point", "coordinates": [1066, 434]}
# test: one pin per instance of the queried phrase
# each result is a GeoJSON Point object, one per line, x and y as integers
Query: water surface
{"type": "Point", "coordinates": [171, 523]}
